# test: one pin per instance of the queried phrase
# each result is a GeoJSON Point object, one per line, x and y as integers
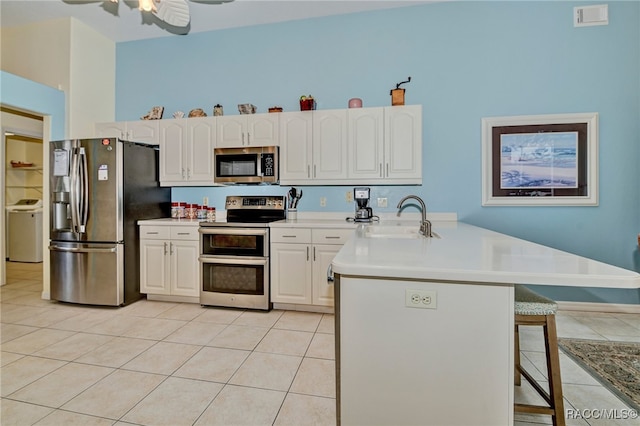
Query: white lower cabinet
{"type": "Point", "coordinates": [169, 261]}
{"type": "Point", "coordinates": [300, 258]}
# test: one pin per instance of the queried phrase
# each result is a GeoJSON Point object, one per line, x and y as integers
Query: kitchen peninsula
{"type": "Point", "coordinates": [424, 326]}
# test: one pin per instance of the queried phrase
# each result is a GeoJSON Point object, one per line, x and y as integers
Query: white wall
{"type": "Point", "coordinates": [70, 56]}
{"type": "Point", "coordinates": [92, 94]}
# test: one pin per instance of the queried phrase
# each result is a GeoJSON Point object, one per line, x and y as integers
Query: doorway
{"type": "Point", "coordinates": [22, 162]}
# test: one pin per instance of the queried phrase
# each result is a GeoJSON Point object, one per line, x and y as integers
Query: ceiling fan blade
{"type": "Point", "coordinates": [173, 12]}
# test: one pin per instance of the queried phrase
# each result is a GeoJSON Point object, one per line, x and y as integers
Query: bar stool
{"type": "Point", "coordinates": [532, 309]}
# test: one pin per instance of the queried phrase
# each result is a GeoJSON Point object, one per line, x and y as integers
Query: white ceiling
{"type": "Point", "coordinates": [128, 22]}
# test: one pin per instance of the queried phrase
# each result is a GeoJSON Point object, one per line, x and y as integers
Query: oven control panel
{"type": "Point", "coordinates": [270, 202]}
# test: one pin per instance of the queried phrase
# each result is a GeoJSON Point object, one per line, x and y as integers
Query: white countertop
{"type": "Point", "coordinates": [472, 254]}
{"type": "Point", "coordinates": [170, 222]}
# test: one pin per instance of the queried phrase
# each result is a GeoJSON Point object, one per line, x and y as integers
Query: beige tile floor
{"type": "Point", "coordinates": [159, 363]}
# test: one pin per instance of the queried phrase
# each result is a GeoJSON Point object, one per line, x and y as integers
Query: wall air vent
{"type": "Point", "coordinates": [584, 16]}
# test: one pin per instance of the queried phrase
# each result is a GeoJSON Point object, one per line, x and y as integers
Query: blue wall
{"type": "Point", "coordinates": [467, 60]}
{"type": "Point", "coordinates": [28, 95]}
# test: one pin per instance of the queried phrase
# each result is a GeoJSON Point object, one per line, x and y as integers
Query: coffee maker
{"type": "Point", "coordinates": [364, 213]}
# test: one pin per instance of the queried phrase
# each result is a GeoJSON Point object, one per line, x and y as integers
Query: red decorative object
{"type": "Point", "coordinates": [307, 104]}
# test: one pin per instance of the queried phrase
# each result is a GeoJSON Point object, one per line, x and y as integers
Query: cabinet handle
{"type": "Point", "coordinates": [387, 170]}
{"type": "Point", "coordinates": [171, 249]}
{"type": "Point", "coordinates": [183, 175]}
{"type": "Point", "coordinates": [248, 138]}
{"type": "Point", "coordinates": [151, 233]}
{"type": "Point", "coordinates": [242, 138]}
{"type": "Point", "coordinates": [307, 253]}
{"type": "Point", "coordinates": [165, 248]}
{"type": "Point", "coordinates": [314, 170]}
{"type": "Point", "coordinates": [288, 236]}
{"type": "Point", "coordinates": [331, 237]}
{"type": "Point", "coordinates": [188, 173]}
{"type": "Point", "coordinates": [381, 169]}
{"type": "Point", "coordinates": [314, 254]}
{"type": "Point", "coordinates": [330, 278]}
{"type": "Point", "coordinates": [308, 171]}
{"type": "Point", "coordinates": [181, 233]}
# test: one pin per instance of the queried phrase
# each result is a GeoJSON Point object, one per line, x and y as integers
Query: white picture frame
{"type": "Point", "coordinates": [540, 160]}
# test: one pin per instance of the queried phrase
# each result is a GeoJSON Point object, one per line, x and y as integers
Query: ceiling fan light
{"type": "Point", "coordinates": [146, 5]}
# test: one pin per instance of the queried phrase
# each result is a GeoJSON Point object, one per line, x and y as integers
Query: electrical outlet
{"type": "Point", "coordinates": [323, 201]}
{"type": "Point", "coordinates": [382, 202]}
{"type": "Point", "coordinates": [349, 197]}
{"type": "Point", "coordinates": [205, 201]}
{"type": "Point", "coordinates": [422, 299]}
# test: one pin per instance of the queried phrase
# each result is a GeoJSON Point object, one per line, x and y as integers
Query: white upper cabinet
{"type": "Point", "coordinates": [135, 131]}
{"type": "Point", "coordinates": [295, 146]}
{"type": "Point", "coordinates": [366, 143]}
{"type": "Point", "coordinates": [360, 145]}
{"type": "Point", "coordinates": [313, 147]}
{"type": "Point", "coordinates": [403, 144]}
{"type": "Point", "coordinates": [186, 151]}
{"type": "Point", "coordinates": [330, 145]}
{"type": "Point", "coordinates": [244, 130]}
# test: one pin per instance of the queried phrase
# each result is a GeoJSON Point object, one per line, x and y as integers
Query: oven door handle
{"type": "Point", "coordinates": [232, 231]}
{"type": "Point", "coordinates": [234, 260]}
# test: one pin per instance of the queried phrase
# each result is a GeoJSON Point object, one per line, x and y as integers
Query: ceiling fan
{"type": "Point", "coordinates": [172, 15]}
{"type": "Point", "coordinates": [173, 12]}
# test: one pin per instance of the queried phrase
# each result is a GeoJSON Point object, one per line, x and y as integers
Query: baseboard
{"type": "Point", "coordinates": [619, 308]}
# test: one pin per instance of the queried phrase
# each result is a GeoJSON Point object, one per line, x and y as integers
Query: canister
{"type": "Point", "coordinates": [211, 214]}
{"type": "Point", "coordinates": [191, 212]}
{"type": "Point", "coordinates": [202, 212]}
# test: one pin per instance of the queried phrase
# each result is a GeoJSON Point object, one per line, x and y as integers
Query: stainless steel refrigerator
{"type": "Point", "coordinates": [100, 188]}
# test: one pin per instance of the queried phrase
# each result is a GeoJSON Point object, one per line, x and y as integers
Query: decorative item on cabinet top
{"type": "Point", "coordinates": [247, 108]}
{"type": "Point", "coordinates": [397, 94]}
{"type": "Point", "coordinates": [275, 109]}
{"type": "Point", "coordinates": [178, 114]}
{"type": "Point", "coordinates": [217, 110]}
{"type": "Point", "coordinates": [154, 114]}
{"type": "Point", "coordinates": [307, 103]}
{"type": "Point", "coordinates": [197, 112]}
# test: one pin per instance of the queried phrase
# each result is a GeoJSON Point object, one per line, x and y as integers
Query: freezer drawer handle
{"type": "Point", "coordinates": [83, 250]}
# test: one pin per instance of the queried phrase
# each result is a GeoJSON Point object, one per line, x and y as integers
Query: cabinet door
{"type": "Point", "coordinates": [263, 129]}
{"type": "Point", "coordinates": [330, 144]}
{"type": "Point", "coordinates": [111, 130]}
{"type": "Point", "coordinates": [172, 161]}
{"type": "Point", "coordinates": [295, 147]}
{"type": "Point", "coordinates": [199, 149]}
{"type": "Point", "coordinates": [185, 275]}
{"type": "Point", "coordinates": [365, 137]}
{"type": "Point", "coordinates": [230, 131]}
{"type": "Point", "coordinates": [323, 255]}
{"type": "Point", "coordinates": [290, 273]}
{"type": "Point", "coordinates": [154, 267]}
{"type": "Point", "coordinates": [143, 131]}
{"type": "Point", "coordinates": [403, 143]}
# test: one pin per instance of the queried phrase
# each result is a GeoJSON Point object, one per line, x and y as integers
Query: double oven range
{"type": "Point", "coordinates": [234, 255]}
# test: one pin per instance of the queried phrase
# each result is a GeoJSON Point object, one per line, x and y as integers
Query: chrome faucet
{"type": "Point", "coordinates": [425, 225]}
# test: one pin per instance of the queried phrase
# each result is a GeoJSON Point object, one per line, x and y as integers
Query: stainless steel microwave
{"type": "Point", "coordinates": [246, 165]}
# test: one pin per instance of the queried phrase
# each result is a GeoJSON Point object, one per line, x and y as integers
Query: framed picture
{"type": "Point", "coordinates": [540, 160]}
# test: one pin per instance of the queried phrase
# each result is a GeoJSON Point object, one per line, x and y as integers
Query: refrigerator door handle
{"type": "Point", "coordinates": [84, 198]}
{"type": "Point", "coordinates": [82, 250]}
{"type": "Point", "coordinates": [74, 192]}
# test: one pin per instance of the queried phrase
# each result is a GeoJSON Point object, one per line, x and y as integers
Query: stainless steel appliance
{"type": "Point", "coordinates": [364, 213]}
{"type": "Point", "coordinates": [100, 188]}
{"type": "Point", "coordinates": [234, 255]}
{"type": "Point", "coordinates": [246, 165]}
